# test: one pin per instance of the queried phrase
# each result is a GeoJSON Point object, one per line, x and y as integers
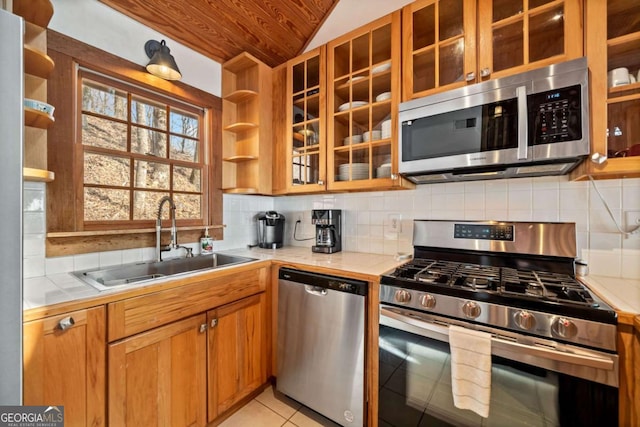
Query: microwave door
{"type": "Point", "coordinates": [447, 136]}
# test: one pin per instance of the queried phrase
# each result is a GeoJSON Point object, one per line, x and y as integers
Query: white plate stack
{"type": "Point", "coordinates": [386, 129]}
{"type": "Point", "coordinates": [384, 171]}
{"type": "Point", "coordinates": [358, 171]}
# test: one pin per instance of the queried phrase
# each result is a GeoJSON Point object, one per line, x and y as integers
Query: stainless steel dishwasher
{"type": "Point", "coordinates": [320, 356]}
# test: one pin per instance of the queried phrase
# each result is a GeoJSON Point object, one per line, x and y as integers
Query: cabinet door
{"type": "Point", "coordinates": [64, 364]}
{"type": "Point", "coordinates": [158, 378]}
{"type": "Point", "coordinates": [517, 35]}
{"type": "Point", "coordinates": [363, 85]}
{"type": "Point", "coordinates": [439, 46]}
{"type": "Point", "coordinates": [306, 151]}
{"type": "Point", "coordinates": [237, 352]}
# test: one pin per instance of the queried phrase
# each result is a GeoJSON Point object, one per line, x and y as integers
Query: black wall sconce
{"type": "Point", "coordinates": [162, 63]}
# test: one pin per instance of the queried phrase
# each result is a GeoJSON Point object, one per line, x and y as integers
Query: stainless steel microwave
{"type": "Point", "coordinates": [530, 124]}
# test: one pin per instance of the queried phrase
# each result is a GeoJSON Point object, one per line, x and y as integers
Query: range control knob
{"type": "Point", "coordinates": [525, 320]}
{"type": "Point", "coordinates": [427, 301]}
{"type": "Point", "coordinates": [563, 327]}
{"type": "Point", "coordinates": [471, 309]}
{"type": "Point", "coordinates": [402, 296]}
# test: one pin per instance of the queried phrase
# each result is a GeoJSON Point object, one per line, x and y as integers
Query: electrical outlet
{"type": "Point", "coordinates": [632, 218]}
{"type": "Point", "coordinates": [298, 217]}
{"type": "Point", "coordinates": [395, 223]}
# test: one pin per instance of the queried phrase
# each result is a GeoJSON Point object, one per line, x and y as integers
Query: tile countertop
{"type": "Point", "coordinates": [622, 294]}
{"type": "Point", "coordinates": [65, 288]}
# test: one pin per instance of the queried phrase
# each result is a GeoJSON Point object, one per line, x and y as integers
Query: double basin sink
{"type": "Point", "coordinates": [112, 277]}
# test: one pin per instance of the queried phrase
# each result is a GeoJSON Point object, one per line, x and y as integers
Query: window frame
{"type": "Point", "coordinates": [66, 234]}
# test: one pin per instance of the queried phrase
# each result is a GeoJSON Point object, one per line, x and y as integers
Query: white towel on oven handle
{"type": "Point", "coordinates": [470, 369]}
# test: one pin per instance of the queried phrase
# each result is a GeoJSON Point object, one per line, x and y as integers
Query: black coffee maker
{"type": "Point", "coordinates": [270, 229]}
{"type": "Point", "coordinates": [328, 224]}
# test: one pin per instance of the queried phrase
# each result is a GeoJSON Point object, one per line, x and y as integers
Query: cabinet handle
{"type": "Point", "coordinates": [203, 328]}
{"type": "Point", "coordinates": [66, 323]}
{"type": "Point", "coordinates": [471, 76]}
{"type": "Point", "coordinates": [214, 323]}
{"type": "Point", "coordinates": [485, 72]}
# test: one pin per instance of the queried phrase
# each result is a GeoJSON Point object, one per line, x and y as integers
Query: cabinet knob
{"type": "Point", "coordinates": [214, 322]}
{"type": "Point", "coordinates": [320, 182]}
{"type": "Point", "coordinates": [394, 176]}
{"type": "Point", "coordinates": [471, 76]}
{"type": "Point", "coordinates": [485, 72]}
{"type": "Point", "coordinates": [66, 323]}
{"type": "Point", "coordinates": [203, 328]}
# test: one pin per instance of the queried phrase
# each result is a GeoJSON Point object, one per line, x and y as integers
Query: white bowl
{"type": "Point", "coordinates": [380, 68]}
{"type": "Point", "coordinates": [383, 96]}
{"type": "Point", "coordinates": [353, 139]}
{"type": "Point", "coordinates": [372, 136]}
{"type": "Point", "coordinates": [39, 105]}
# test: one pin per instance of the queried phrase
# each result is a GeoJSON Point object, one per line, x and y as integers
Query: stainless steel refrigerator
{"type": "Point", "coordinates": [11, 153]}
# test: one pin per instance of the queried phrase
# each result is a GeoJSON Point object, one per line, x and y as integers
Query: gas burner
{"type": "Point", "coordinates": [432, 276]}
{"type": "Point", "coordinates": [534, 289]}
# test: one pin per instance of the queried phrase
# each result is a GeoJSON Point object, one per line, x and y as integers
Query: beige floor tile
{"type": "Point", "coordinates": [254, 414]}
{"type": "Point", "coordinates": [278, 402]}
{"type": "Point", "coordinates": [305, 417]}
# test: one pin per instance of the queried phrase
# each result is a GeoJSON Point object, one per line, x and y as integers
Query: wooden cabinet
{"type": "Point", "coordinates": [64, 364]}
{"type": "Point", "coordinates": [237, 352]}
{"type": "Point", "coordinates": [613, 41]}
{"type": "Point", "coordinates": [159, 377]}
{"type": "Point", "coordinates": [363, 83]}
{"type": "Point", "coordinates": [246, 126]}
{"type": "Point", "coordinates": [450, 43]}
{"type": "Point", "coordinates": [37, 67]}
{"type": "Point", "coordinates": [629, 352]}
{"type": "Point", "coordinates": [183, 356]}
{"type": "Point", "coordinates": [306, 123]}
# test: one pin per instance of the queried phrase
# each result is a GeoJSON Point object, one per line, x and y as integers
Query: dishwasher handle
{"type": "Point", "coordinates": [315, 290]}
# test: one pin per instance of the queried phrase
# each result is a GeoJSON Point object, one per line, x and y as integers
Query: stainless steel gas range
{"type": "Point", "coordinates": [550, 334]}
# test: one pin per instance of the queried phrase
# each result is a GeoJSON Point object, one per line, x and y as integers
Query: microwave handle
{"type": "Point", "coordinates": [523, 128]}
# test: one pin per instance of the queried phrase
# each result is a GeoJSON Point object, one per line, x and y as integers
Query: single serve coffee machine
{"type": "Point", "coordinates": [270, 229]}
{"type": "Point", "coordinates": [328, 224]}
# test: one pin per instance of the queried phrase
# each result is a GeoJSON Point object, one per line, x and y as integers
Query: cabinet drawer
{"type": "Point", "coordinates": [134, 315]}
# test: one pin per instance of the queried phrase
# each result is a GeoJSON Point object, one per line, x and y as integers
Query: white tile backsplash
{"type": "Point", "coordinates": [366, 219]}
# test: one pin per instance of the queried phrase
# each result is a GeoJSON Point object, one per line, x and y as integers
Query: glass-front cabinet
{"type": "Point", "coordinates": [362, 108]}
{"type": "Point", "coordinates": [613, 54]}
{"type": "Point", "coordinates": [440, 51]}
{"type": "Point", "coordinates": [450, 43]}
{"type": "Point", "coordinates": [306, 112]}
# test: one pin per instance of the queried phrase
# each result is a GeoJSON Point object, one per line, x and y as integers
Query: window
{"type": "Point", "coordinates": [137, 147]}
{"type": "Point", "coordinates": [122, 139]}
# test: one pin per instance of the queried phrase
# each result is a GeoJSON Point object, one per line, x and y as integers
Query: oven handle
{"type": "Point", "coordinates": [501, 347]}
{"type": "Point", "coordinates": [523, 125]}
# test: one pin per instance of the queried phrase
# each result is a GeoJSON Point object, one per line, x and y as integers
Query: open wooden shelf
{"type": "Point", "coordinates": [240, 127]}
{"type": "Point", "coordinates": [37, 63]}
{"type": "Point", "coordinates": [240, 95]}
{"type": "Point", "coordinates": [240, 159]}
{"type": "Point", "coordinates": [238, 190]}
{"type": "Point", "coordinates": [37, 12]}
{"type": "Point", "coordinates": [37, 175]}
{"type": "Point", "coordinates": [37, 119]}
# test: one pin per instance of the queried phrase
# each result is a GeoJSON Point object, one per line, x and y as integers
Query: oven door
{"type": "Point", "coordinates": [532, 384]}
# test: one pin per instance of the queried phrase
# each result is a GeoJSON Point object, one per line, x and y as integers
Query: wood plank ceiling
{"type": "Point", "coordinates": [273, 31]}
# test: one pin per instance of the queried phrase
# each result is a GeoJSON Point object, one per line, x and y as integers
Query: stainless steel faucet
{"type": "Point", "coordinates": [173, 244]}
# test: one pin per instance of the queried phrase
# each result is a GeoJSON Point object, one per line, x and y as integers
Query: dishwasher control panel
{"type": "Point", "coordinates": [340, 284]}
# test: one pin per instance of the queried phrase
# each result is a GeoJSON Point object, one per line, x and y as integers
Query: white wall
{"type": "Point", "coordinates": [351, 14]}
{"type": "Point", "coordinates": [98, 25]}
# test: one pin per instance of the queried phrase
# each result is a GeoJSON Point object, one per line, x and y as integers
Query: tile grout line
{"type": "Point", "coordinates": [286, 420]}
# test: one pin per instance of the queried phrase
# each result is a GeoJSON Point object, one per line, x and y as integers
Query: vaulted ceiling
{"type": "Point", "coordinates": [272, 30]}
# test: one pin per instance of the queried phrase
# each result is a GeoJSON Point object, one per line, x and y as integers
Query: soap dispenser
{"type": "Point", "coordinates": [206, 243]}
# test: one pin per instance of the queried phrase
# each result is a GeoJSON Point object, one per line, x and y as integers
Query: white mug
{"type": "Point", "coordinates": [618, 77]}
